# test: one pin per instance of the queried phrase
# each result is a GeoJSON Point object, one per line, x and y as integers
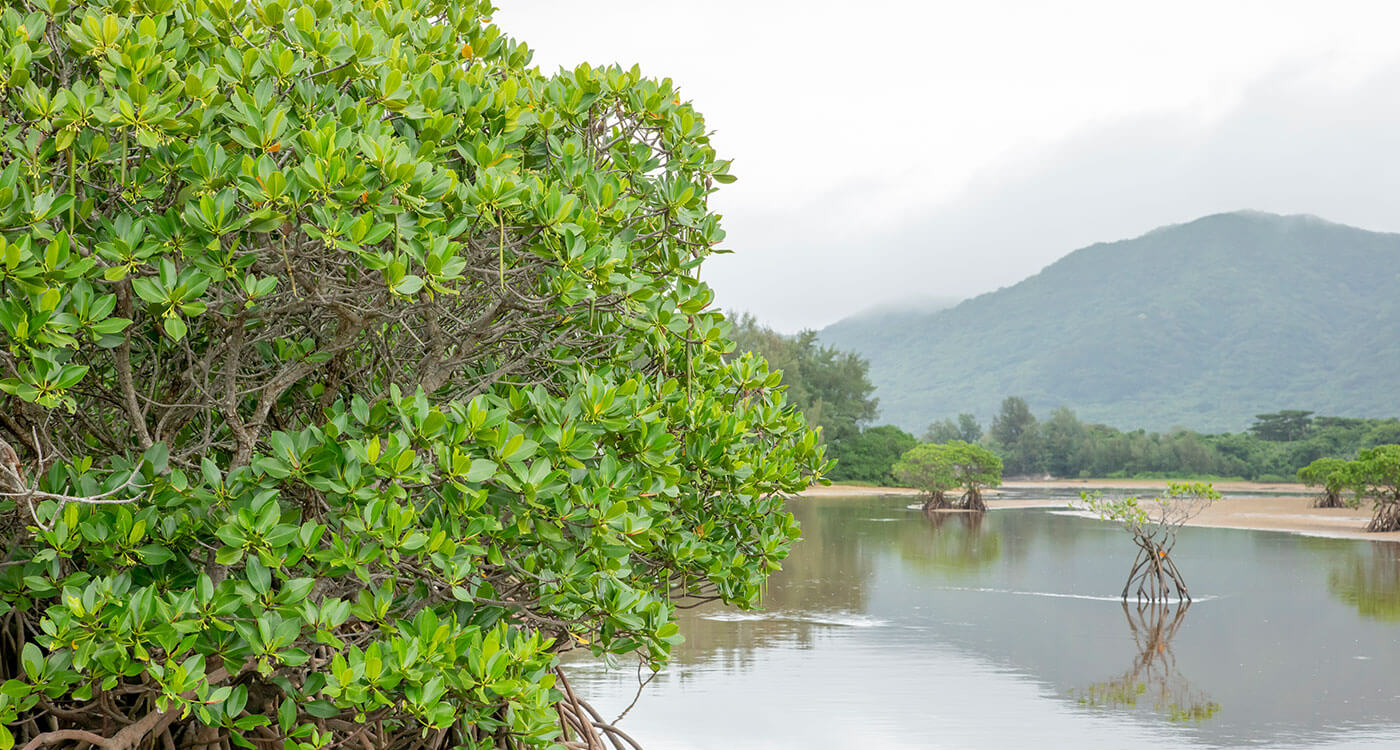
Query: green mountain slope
{"type": "Point", "coordinates": [1201, 325]}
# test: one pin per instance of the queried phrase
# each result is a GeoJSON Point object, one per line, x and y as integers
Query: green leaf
{"type": "Point", "coordinates": [321, 709]}
{"type": "Point", "coordinates": [481, 470]}
{"type": "Point", "coordinates": [175, 327]}
{"type": "Point", "coordinates": [33, 662]}
{"type": "Point", "coordinates": [158, 458]}
{"type": "Point", "coordinates": [154, 554]}
{"type": "Point", "coordinates": [296, 590]}
{"type": "Point", "coordinates": [238, 698]}
{"type": "Point", "coordinates": [408, 285]}
{"type": "Point", "coordinates": [259, 575]}
{"type": "Point", "coordinates": [286, 715]}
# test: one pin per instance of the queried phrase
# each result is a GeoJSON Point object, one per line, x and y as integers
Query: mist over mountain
{"type": "Point", "coordinates": [899, 310]}
{"type": "Point", "coordinates": [1200, 325]}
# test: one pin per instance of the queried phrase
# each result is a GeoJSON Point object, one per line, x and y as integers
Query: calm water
{"type": "Point", "coordinates": [891, 629]}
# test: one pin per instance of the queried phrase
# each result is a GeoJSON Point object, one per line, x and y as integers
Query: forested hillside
{"type": "Point", "coordinates": [1201, 325]}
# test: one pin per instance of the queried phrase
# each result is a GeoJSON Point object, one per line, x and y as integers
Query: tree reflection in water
{"type": "Point", "coordinates": [1370, 582]}
{"type": "Point", "coordinates": [1153, 679]}
{"type": "Point", "coordinates": [952, 542]}
{"type": "Point", "coordinates": [824, 583]}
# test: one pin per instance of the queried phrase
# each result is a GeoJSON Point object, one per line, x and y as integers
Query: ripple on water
{"type": "Point", "coordinates": [1055, 594]}
{"type": "Point", "coordinates": [834, 619]}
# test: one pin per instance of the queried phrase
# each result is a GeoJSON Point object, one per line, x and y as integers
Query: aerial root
{"type": "Point", "coordinates": [972, 500]}
{"type": "Point", "coordinates": [1387, 517]}
{"type": "Point", "coordinates": [1155, 575]}
{"type": "Point", "coordinates": [584, 728]}
{"type": "Point", "coordinates": [1330, 499]}
{"type": "Point", "coordinates": [936, 500]}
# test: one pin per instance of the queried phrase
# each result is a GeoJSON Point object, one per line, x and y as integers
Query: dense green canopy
{"type": "Point", "coordinates": [935, 468]}
{"type": "Point", "coordinates": [830, 386]}
{"type": "Point", "coordinates": [1332, 475]}
{"type": "Point", "coordinates": [350, 369]}
{"type": "Point", "coordinates": [1376, 476]}
{"type": "Point", "coordinates": [870, 455]}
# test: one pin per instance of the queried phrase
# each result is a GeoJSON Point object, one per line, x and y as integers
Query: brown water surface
{"type": "Point", "coordinates": [892, 629]}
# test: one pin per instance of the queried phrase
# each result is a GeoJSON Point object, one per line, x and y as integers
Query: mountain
{"type": "Point", "coordinates": [1200, 325]}
{"type": "Point", "coordinates": [897, 309]}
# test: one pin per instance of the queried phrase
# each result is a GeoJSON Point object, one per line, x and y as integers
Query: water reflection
{"type": "Point", "coordinates": [823, 585]}
{"type": "Point", "coordinates": [1153, 679]}
{"type": "Point", "coordinates": [952, 543]}
{"type": "Point", "coordinates": [1012, 619]}
{"type": "Point", "coordinates": [1370, 580]}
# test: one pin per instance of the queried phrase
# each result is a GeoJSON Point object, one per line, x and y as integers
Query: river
{"type": "Point", "coordinates": [890, 628]}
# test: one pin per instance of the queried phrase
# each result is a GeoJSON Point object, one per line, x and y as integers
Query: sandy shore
{"type": "Point", "coordinates": [857, 490]}
{"type": "Point", "coordinates": [1155, 484]}
{"type": "Point", "coordinates": [1290, 514]}
{"type": "Point", "coordinates": [1139, 485]}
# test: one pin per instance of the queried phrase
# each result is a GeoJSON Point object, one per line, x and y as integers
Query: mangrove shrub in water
{"type": "Point", "coordinates": [936, 468]}
{"type": "Point", "coordinates": [350, 369]}
{"type": "Point", "coordinates": [1154, 526]}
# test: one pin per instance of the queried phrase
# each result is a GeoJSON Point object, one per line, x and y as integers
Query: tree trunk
{"type": "Point", "coordinates": [1387, 517]}
{"type": "Point", "coordinates": [936, 500]}
{"type": "Point", "coordinates": [1154, 574]}
{"type": "Point", "coordinates": [972, 500]}
{"type": "Point", "coordinates": [1329, 499]}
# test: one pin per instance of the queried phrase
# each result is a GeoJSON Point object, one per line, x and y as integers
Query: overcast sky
{"type": "Point", "coordinates": [892, 151]}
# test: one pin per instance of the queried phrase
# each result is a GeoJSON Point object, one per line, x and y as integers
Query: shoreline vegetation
{"type": "Point", "coordinates": [1275, 511]}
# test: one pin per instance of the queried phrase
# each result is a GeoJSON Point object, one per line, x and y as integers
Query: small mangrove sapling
{"type": "Point", "coordinates": [1154, 525]}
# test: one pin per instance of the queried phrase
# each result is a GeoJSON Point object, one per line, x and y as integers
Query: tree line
{"type": "Point", "coordinates": [829, 386]}
{"type": "Point", "coordinates": [833, 389]}
{"type": "Point", "coordinates": [1274, 447]}
{"type": "Point", "coordinates": [1374, 475]}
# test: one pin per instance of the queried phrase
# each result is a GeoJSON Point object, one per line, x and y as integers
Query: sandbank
{"type": "Point", "coordinates": [1152, 484]}
{"type": "Point", "coordinates": [1293, 514]}
{"type": "Point", "coordinates": [856, 490]}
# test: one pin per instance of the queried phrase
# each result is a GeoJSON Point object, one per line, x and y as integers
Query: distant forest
{"type": "Point", "coordinates": [1201, 325]}
{"type": "Point", "coordinates": [834, 390]}
{"type": "Point", "coordinates": [1274, 448]}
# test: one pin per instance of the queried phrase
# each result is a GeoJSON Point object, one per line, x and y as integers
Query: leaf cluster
{"type": "Point", "coordinates": [1158, 519]}
{"type": "Point", "coordinates": [936, 468]}
{"type": "Point", "coordinates": [351, 369]}
{"type": "Point", "coordinates": [1333, 475]}
{"type": "Point", "coordinates": [831, 387]}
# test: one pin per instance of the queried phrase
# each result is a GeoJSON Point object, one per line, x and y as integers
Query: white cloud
{"type": "Point", "coordinates": [906, 148]}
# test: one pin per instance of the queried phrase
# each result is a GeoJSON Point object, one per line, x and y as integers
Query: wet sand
{"type": "Point", "coordinates": [1154, 484]}
{"type": "Point", "coordinates": [857, 490]}
{"type": "Point", "coordinates": [1290, 514]}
